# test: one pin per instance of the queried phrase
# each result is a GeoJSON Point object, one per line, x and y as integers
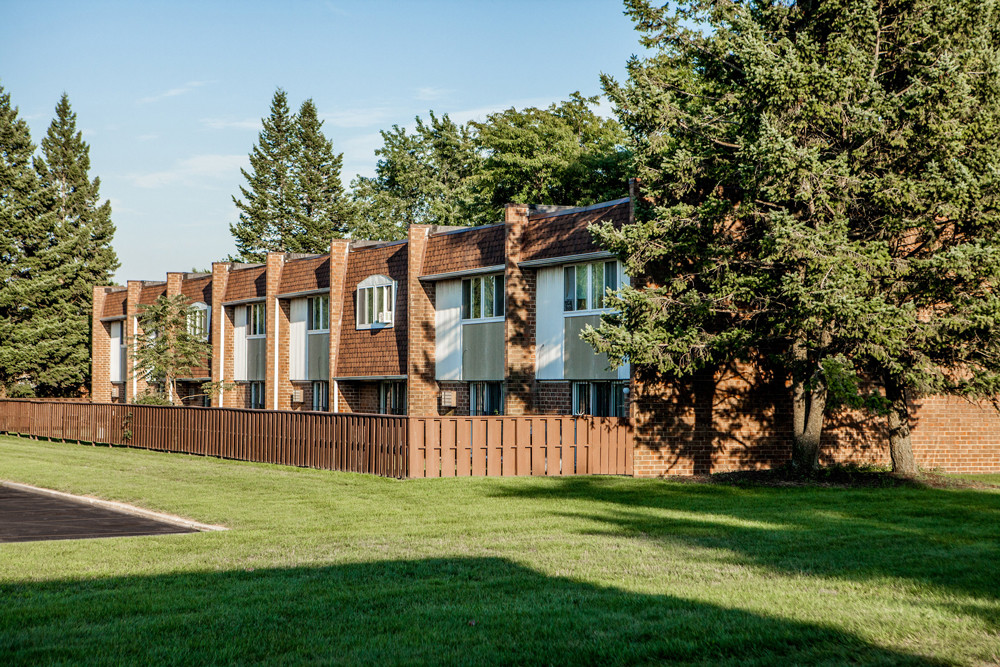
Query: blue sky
{"type": "Point", "coordinates": [169, 95]}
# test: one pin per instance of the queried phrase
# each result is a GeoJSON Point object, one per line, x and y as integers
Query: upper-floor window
{"type": "Point", "coordinates": [585, 285]}
{"type": "Point", "coordinates": [482, 297]}
{"type": "Point", "coordinates": [375, 302]}
{"type": "Point", "coordinates": [198, 320]}
{"type": "Point", "coordinates": [319, 314]}
{"type": "Point", "coordinates": [256, 320]}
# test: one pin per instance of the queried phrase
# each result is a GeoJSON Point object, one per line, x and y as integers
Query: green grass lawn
{"type": "Point", "coordinates": [984, 478]}
{"type": "Point", "coordinates": [323, 567]}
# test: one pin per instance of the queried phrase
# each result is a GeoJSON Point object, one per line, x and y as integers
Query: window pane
{"type": "Point", "coordinates": [477, 298]}
{"type": "Point", "coordinates": [597, 298]}
{"type": "Point", "coordinates": [581, 287]}
{"type": "Point", "coordinates": [569, 283]}
{"type": "Point", "coordinates": [602, 399]}
{"type": "Point", "coordinates": [388, 299]}
{"type": "Point", "coordinates": [466, 299]}
{"type": "Point", "coordinates": [499, 295]}
{"type": "Point", "coordinates": [324, 322]}
{"type": "Point", "coordinates": [488, 296]}
{"type": "Point", "coordinates": [370, 306]}
{"type": "Point", "coordinates": [379, 303]}
{"type": "Point", "coordinates": [611, 276]}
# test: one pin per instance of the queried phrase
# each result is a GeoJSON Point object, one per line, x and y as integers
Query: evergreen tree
{"type": "Point", "coordinates": [82, 255]}
{"type": "Point", "coordinates": [819, 180]}
{"type": "Point", "coordinates": [25, 238]}
{"type": "Point", "coordinates": [271, 201]}
{"type": "Point", "coordinates": [324, 210]}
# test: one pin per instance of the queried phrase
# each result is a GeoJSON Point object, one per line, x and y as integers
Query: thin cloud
{"type": "Point", "coordinates": [356, 117]}
{"type": "Point", "coordinates": [228, 124]}
{"type": "Point", "coordinates": [148, 137]}
{"type": "Point", "coordinates": [174, 92]}
{"type": "Point", "coordinates": [339, 11]}
{"type": "Point", "coordinates": [430, 93]}
{"type": "Point", "coordinates": [192, 171]}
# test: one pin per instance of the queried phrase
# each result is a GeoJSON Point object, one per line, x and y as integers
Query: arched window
{"type": "Point", "coordinates": [376, 299]}
{"type": "Point", "coordinates": [199, 317]}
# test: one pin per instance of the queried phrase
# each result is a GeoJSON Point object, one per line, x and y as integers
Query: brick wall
{"type": "Point", "coordinates": [275, 261]}
{"type": "Point", "coordinates": [519, 325]}
{"type": "Point", "coordinates": [553, 398]}
{"type": "Point", "coordinates": [222, 347]}
{"type": "Point", "coordinates": [100, 353]}
{"type": "Point", "coordinates": [421, 387]}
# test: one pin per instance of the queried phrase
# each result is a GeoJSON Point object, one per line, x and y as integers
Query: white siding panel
{"type": "Point", "coordinates": [240, 343]}
{"type": "Point", "coordinates": [297, 311]}
{"type": "Point", "coordinates": [549, 324]}
{"type": "Point", "coordinates": [448, 324]}
{"type": "Point", "coordinates": [115, 350]}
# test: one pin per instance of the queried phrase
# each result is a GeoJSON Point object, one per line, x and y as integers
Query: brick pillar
{"type": "Point", "coordinates": [519, 325]}
{"type": "Point", "coordinates": [421, 387]}
{"type": "Point", "coordinates": [133, 385]}
{"type": "Point", "coordinates": [100, 350]}
{"type": "Point", "coordinates": [339, 253]}
{"type": "Point", "coordinates": [174, 280]}
{"type": "Point", "coordinates": [222, 326]}
{"type": "Point", "coordinates": [275, 262]}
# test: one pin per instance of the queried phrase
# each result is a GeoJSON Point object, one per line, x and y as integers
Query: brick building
{"type": "Point", "coordinates": [483, 321]}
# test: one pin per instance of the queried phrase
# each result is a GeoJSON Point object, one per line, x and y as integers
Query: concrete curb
{"type": "Point", "coordinates": [116, 506]}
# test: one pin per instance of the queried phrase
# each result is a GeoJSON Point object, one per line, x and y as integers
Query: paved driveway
{"type": "Point", "coordinates": [27, 517]}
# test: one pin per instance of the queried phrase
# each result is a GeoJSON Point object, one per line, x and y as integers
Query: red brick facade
{"type": "Point", "coordinates": [734, 419]}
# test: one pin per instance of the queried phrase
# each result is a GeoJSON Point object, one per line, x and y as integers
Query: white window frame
{"type": "Point", "coordinates": [256, 326]}
{"type": "Point", "coordinates": [590, 387]}
{"type": "Point", "coordinates": [373, 285]}
{"type": "Point", "coordinates": [477, 391]}
{"type": "Point", "coordinates": [257, 394]}
{"type": "Point", "coordinates": [318, 308]}
{"type": "Point", "coordinates": [199, 320]}
{"type": "Point", "coordinates": [320, 389]}
{"type": "Point", "coordinates": [471, 284]}
{"type": "Point", "coordinates": [591, 308]}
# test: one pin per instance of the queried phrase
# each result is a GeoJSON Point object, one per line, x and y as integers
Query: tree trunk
{"type": "Point", "coordinates": [900, 445]}
{"type": "Point", "coordinates": [808, 407]}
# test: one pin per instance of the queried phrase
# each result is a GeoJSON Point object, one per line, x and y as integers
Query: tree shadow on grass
{"type": "Point", "coordinates": [944, 538]}
{"type": "Point", "coordinates": [452, 611]}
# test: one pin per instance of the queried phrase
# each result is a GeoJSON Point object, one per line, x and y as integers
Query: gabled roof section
{"type": "Point", "coordinates": [560, 232]}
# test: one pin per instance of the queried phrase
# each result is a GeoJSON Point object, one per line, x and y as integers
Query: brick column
{"type": "Point", "coordinates": [421, 387]}
{"type": "Point", "coordinates": [275, 262]}
{"type": "Point", "coordinates": [519, 325]}
{"type": "Point", "coordinates": [339, 252]}
{"type": "Point", "coordinates": [174, 280]}
{"type": "Point", "coordinates": [222, 349]}
{"type": "Point", "coordinates": [133, 385]}
{"type": "Point", "coordinates": [100, 350]}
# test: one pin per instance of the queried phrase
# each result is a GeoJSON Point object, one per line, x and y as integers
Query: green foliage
{"type": "Point", "coordinates": [293, 200]}
{"type": "Point", "coordinates": [21, 390]}
{"type": "Point", "coordinates": [820, 180]}
{"type": "Point", "coordinates": [152, 398]}
{"type": "Point", "coordinates": [444, 173]}
{"type": "Point", "coordinates": [166, 348]}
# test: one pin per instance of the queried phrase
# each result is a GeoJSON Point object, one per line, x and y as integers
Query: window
{"type": "Point", "coordinates": [198, 320]}
{"type": "Point", "coordinates": [256, 395]}
{"type": "Point", "coordinates": [482, 297]}
{"type": "Point", "coordinates": [485, 398]}
{"type": "Point", "coordinates": [392, 398]}
{"type": "Point", "coordinates": [319, 314]}
{"type": "Point", "coordinates": [600, 399]}
{"type": "Point", "coordinates": [585, 285]}
{"type": "Point", "coordinates": [256, 320]}
{"type": "Point", "coordinates": [375, 300]}
{"type": "Point", "coordinates": [321, 396]}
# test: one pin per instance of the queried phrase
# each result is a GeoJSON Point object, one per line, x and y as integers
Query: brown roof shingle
{"type": "Point", "coordinates": [464, 249]}
{"type": "Point", "coordinates": [557, 235]}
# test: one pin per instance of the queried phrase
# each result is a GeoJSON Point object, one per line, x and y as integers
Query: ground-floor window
{"type": "Point", "coordinates": [392, 398]}
{"type": "Point", "coordinates": [321, 396]}
{"type": "Point", "coordinates": [256, 391]}
{"type": "Point", "coordinates": [600, 399]}
{"type": "Point", "coordinates": [485, 398]}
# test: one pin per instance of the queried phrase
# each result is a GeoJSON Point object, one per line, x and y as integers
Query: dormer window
{"type": "Point", "coordinates": [376, 298]}
{"type": "Point", "coordinates": [199, 315]}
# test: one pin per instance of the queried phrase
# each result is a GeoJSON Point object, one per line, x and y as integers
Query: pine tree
{"type": "Point", "coordinates": [23, 245]}
{"type": "Point", "coordinates": [818, 180]}
{"type": "Point", "coordinates": [271, 201]}
{"type": "Point", "coordinates": [324, 210]}
{"type": "Point", "coordinates": [82, 255]}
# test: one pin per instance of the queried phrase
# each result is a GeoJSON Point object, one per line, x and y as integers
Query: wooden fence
{"type": "Point", "coordinates": [529, 445]}
{"type": "Point", "coordinates": [377, 444]}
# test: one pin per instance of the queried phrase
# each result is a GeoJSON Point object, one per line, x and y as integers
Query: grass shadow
{"type": "Point", "coordinates": [450, 610]}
